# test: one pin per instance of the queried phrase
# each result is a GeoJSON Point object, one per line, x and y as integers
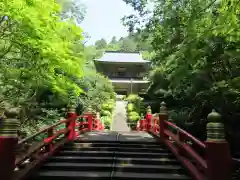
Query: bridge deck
{"type": "Point", "coordinates": [117, 136]}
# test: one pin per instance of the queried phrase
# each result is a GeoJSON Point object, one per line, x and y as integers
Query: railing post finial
{"type": "Point", "coordinates": [89, 109]}
{"type": "Point", "coordinates": [163, 116]}
{"type": "Point", "coordinates": [163, 108]}
{"type": "Point", "coordinates": [148, 118]}
{"type": "Point", "coordinates": [215, 128]}
{"type": "Point", "coordinates": [149, 110]}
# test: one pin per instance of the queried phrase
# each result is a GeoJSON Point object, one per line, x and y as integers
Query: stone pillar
{"type": "Point", "coordinates": [218, 155]}
{"type": "Point", "coordinates": [9, 126]}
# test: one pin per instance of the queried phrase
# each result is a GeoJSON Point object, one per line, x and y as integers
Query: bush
{"type": "Point", "coordinates": [133, 116]}
{"type": "Point", "coordinates": [106, 113]}
{"type": "Point", "coordinates": [107, 121]}
{"type": "Point", "coordinates": [130, 107]}
{"type": "Point", "coordinates": [133, 109]}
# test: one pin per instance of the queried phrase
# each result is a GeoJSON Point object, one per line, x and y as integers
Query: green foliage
{"type": "Point", "coordinates": [133, 116]}
{"type": "Point", "coordinates": [195, 63]}
{"type": "Point", "coordinates": [130, 107]}
{"type": "Point", "coordinates": [133, 108]}
{"type": "Point", "coordinates": [45, 67]}
{"type": "Point", "coordinates": [101, 44]}
{"type": "Point", "coordinates": [107, 121]}
{"type": "Point", "coordinates": [72, 9]}
{"type": "Point", "coordinates": [134, 42]}
{"type": "Point", "coordinates": [133, 98]}
{"type": "Point", "coordinates": [106, 113]}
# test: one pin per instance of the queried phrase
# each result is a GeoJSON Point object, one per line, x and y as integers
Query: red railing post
{"type": "Point", "coordinates": [49, 147]}
{"type": "Point", "coordinates": [148, 118]}
{"type": "Point", "coordinates": [89, 115]}
{"type": "Point", "coordinates": [90, 121]}
{"type": "Point", "coordinates": [72, 124]}
{"type": "Point", "coordinates": [8, 143]}
{"type": "Point", "coordinates": [218, 155]}
{"type": "Point", "coordinates": [163, 116]}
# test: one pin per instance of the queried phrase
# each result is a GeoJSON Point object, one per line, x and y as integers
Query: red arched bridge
{"type": "Point", "coordinates": [79, 148]}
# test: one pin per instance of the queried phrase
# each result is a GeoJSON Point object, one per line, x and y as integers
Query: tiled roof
{"type": "Point", "coordinates": [111, 56]}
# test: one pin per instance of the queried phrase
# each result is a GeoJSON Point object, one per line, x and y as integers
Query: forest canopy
{"type": "Point", "coordinates": [196, 62]}
{"type": "Point", "coordinates": [45, 67]}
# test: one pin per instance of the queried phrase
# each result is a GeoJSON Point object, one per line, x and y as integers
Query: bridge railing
{"type": "Point", "coordinates": [19, 158]}
{"type": "Point", "coordinates": [205, 160]}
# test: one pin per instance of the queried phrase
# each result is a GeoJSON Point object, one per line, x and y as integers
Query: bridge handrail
{"type": "Point", "coordinates": [38, 151]}
{"type": "Point", "coordinates": [43, 143]}
{"type": "Point", "coordinates": [179, 139]}
{"type": "Point", "coordinates": [33, 150]}
{"type": "Point", "coordinates": [210, 159]}
{"type": "Point", "coordinates": [45, 129]}
{"type": "Point", "coordinates": [186, 134]}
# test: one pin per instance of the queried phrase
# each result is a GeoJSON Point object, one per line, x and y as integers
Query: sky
{"type": "Point", "coordinates": [103, 19]}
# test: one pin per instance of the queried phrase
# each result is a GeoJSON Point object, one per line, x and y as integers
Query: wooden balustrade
{"type": "Point", "coordinates": [21, 157]}
{"type": "Point", "coordinates": [214, 163]}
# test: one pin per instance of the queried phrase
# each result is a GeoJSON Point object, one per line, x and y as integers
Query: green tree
{"type": "Point", "coordinates": [114, 40]}
{"type": "Point", "coordinates": [196, 55]}
{"type": "Point", "coordinates": [41, 58]}
{"type": "Point", "coordinates": [72, 9]}
{"type": "Point", "coordinates": [101, 44]}
{"type": "Point", "coordinates": [127, 45]}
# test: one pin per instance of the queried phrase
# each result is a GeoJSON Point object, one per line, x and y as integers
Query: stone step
{"type": "Point", "coordinates": [119, 149]}
{"type": "Point", "coordinates": [148, 176]}
{"type": "Point", "coordinates": [146, 168]}
{"type": "Point", "coordinates": [77, 166]}
{"type": "Point", "coordinates": [85, 159]}
{"type": "Point", "coordinates": [113, 153]}
{"type": "Point", "coordinates": [72, 175]}
{"type": "Point", "coordinates": [112, 160]}
{"type": "Point", "coordinates": [148, 161]}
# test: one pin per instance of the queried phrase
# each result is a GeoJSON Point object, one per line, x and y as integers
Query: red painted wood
{"type": "Point", "coordinates": [39, 151]}
{"type": "Point", "coordinates": [187, 149]}
{"type": "Point", "coordinates": [216, 164]}
{"type": "Point", "coordinates": [72, 116]}
{"type": "Point", "coordinates": [90, 121]}
{"type": "Point", "coordinates": [7, 157]}
{"type": "Point", "coordinates": [186, 134]}
{"type": "Point", "coordinates": [163, 125]}
{"type": "Point", "coordinates": [23, 174]}
{"type": "Point", "coordinates": [48, 140]}
{"type": "Point", "coordinates": [219, 160]}
{"type": "Point", "coordinates": [148, 121]}
{"type": "Point", "coordinates": [192, 169]}
{"type": "Point", "coordinates": [142, 125]}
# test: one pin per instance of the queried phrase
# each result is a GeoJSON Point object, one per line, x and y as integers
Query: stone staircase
{"type": "Point", "coordinates": [120, 157]}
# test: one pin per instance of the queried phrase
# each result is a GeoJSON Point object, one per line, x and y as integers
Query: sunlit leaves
{"type": "Point", "coordinates": [40, 42]}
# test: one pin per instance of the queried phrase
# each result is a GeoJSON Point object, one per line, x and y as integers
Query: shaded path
{"type": "Point", "coordinates": [119, 122]}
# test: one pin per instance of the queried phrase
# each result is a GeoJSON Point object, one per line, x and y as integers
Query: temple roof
{"type": "Point", "coordinates": [117, 56]}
